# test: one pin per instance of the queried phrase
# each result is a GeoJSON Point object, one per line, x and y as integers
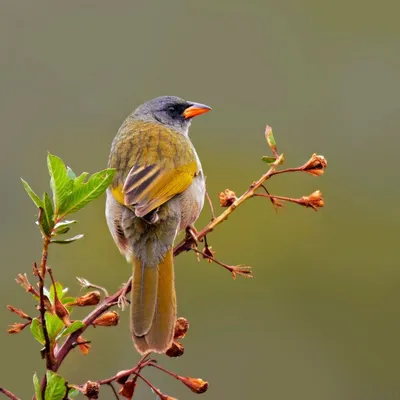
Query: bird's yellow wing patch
{"type": "Point", "coordinates": [146, 188]}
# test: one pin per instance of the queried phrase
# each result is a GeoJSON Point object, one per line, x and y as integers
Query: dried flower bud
{"type": "Point", "coordinates": [315, 165]}
{"type": "Point", "coordinates": [181, 328]}
{"type": "Point", "coordinates": [109, 318]}
{"type": "Point", "coordinates": [122, 376]}
{"type": "Point", "coordinates": [227, 198]}
{"type": "Point", "coordinates": [128, 388]}
{"type": "Point", "coordinates": [208, 253]}
{"type": "Point", "coordinates": [19, 312]}
{"type": "Point", "coordinates": [314, 200]}
{"type": "Point", "coordinates": [24, 282]}
{"type": "Point", "coordinates": [89, 299]}
{"type": "Point", "coordinates": [196, 385]}
{"type": "Point", "coordinates": [83, 344]}
{"type": "Point", "coordinates": [62, 312]}
{"type": "Point", "coordinates": [17, 327]}
{"type": "Point", "coordinates": [176, 349]}
{"type": "Point", "coordinates": [91, 390]}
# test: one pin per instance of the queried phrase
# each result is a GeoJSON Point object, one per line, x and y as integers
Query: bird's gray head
{"type": "Point", "coordinates": [171, 111]}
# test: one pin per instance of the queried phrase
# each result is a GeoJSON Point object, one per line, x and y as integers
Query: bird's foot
{"type": "Point", "coordinates": [122, 301]}
{"type": "Point", "coordinates": [192, 233]}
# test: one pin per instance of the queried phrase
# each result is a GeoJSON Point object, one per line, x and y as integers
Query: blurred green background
{"type": "Point", "coordinates": [321, 318]}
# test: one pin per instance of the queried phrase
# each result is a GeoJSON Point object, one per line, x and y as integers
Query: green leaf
{"type": "Point", "coordinates": [70, 173]}
{"type": "Point", "coordinates": [68, 299]}
{"type": "Point", "coordinates": [54, 325]}
{"type": "Point", "coordinates": [62, 231]}
{"type": "Point", "coordinates": [72, 393]}
{"type": "Point", "coordinates": [61, 184]}
{"type": "Point", "coordinates": [72, 328]}
{"type": "Point", "coordinates": [60, 290]}
{"type": "Point", "coordinates": [270, 138]}
{"type": "Point", "coordinates": [55, 388]}
{"type": "Point", "coordinates": [36, 385]}
{"type": "Point", "coordinates": [35, 198]}
{"type": "Point", "coordinates": [268, 160]}
{"type": "Point", "coordinates": [37, 330]}
{"type": "Point", "coordinates": [62, 227]}
{"type": "Point", "coordinates": [48, 214]}
{"type": "Point", "coordinates": [70, 240]}
{"type": "Point", "coordinates": [80, 179]}
{"type": "Point", "coordinates": [86, 192]}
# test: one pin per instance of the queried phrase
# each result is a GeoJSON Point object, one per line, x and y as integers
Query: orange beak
{"type": "Point", "coordinates": [195, 109]}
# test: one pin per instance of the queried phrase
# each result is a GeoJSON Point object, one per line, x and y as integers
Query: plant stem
{"type": "Point", "coordinates": [9, 394]}
{"type": "Point", "coordinates": [68, 345]}
{"type": "Point", "coordinates": [224, 216]}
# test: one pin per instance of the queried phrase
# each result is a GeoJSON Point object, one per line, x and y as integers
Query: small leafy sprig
{"type": "Point", "coordinates": [54, 324]}
{"type": "Point", "coordinates": [70, 194]}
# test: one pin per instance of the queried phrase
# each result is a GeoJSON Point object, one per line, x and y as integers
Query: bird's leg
{"type": "Point", "coordinates": [123, 302]}
{"type": "Point", "coordinates": [192, 233]}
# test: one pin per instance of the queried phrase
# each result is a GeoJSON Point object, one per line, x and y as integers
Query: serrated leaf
{"type": "Point", "coordinates": [54, 325]}
{"type": "Point", "coordinates": [55, 387]}
{"type": "Point", "coordinates": [70, 173]}
{"type": "Point", "coordinates": [268, 160]}
{"type": "Point", "coordinates": [60, 182]}
{"type": "Point", "coordinates": [37, 330]}
{"type": "Point", "coordinates": [72, 393]}
{"type": "Point", "coordinates": [60, 290]}
{"type": "Point", "coordinates": [72, 328]}
{"type": "Point", "coordinates": [88, 191]}
{"type": "Point", "coordinates": [36, 385]}
{"type": "Point", "coordinates": [70, 240]}
{"type": "Point", "coordinates": [34, 197]}
{"type": "Point", "coordinates": [47, 220]}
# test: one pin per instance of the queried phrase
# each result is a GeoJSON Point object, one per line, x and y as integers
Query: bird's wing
{"type": "Point", "coordinates": [164, 165]}
{"type": "Point", "coordinates": [146, 188]}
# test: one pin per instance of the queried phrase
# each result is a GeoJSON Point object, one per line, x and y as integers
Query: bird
{"type": "Point", "coordinates": [157, 191]}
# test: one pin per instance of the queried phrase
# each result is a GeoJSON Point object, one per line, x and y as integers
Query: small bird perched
{"type": "Point", "coordinates": [158, 190]}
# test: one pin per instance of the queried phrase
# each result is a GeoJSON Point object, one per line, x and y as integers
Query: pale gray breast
{"type": "Point", "coordinates": [192, 199]}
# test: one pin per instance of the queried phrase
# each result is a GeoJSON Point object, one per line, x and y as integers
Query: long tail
{"type": "Point", "coordinates": [153, 308]}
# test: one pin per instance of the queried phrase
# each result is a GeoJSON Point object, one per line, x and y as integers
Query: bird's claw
{"type": "Point", "coordinates": [122, 301]}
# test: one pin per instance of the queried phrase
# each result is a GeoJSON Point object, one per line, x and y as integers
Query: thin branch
{"type": "Point", "coordinates": [243, 270]}
{"type": "Point", "coordinates": [113, 390]}
{"type": "Point", "coordinates": [151, 386]}
{"type": "Point", "coordinates": [68, 345]}
{"type": "Point", "coordinates": [42, 273]}
{"type": "Point", "coordinates": [211, 206]}
{"type": "Point", "coordinates": [182, 246]}
{"type": "Point", "coordinates": [9, 394]}
{"type": "Point", "coordinates": [269, 196]}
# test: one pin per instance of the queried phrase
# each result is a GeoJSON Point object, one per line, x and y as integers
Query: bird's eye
{"type": "Point", "coordinates": [171, 109]}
